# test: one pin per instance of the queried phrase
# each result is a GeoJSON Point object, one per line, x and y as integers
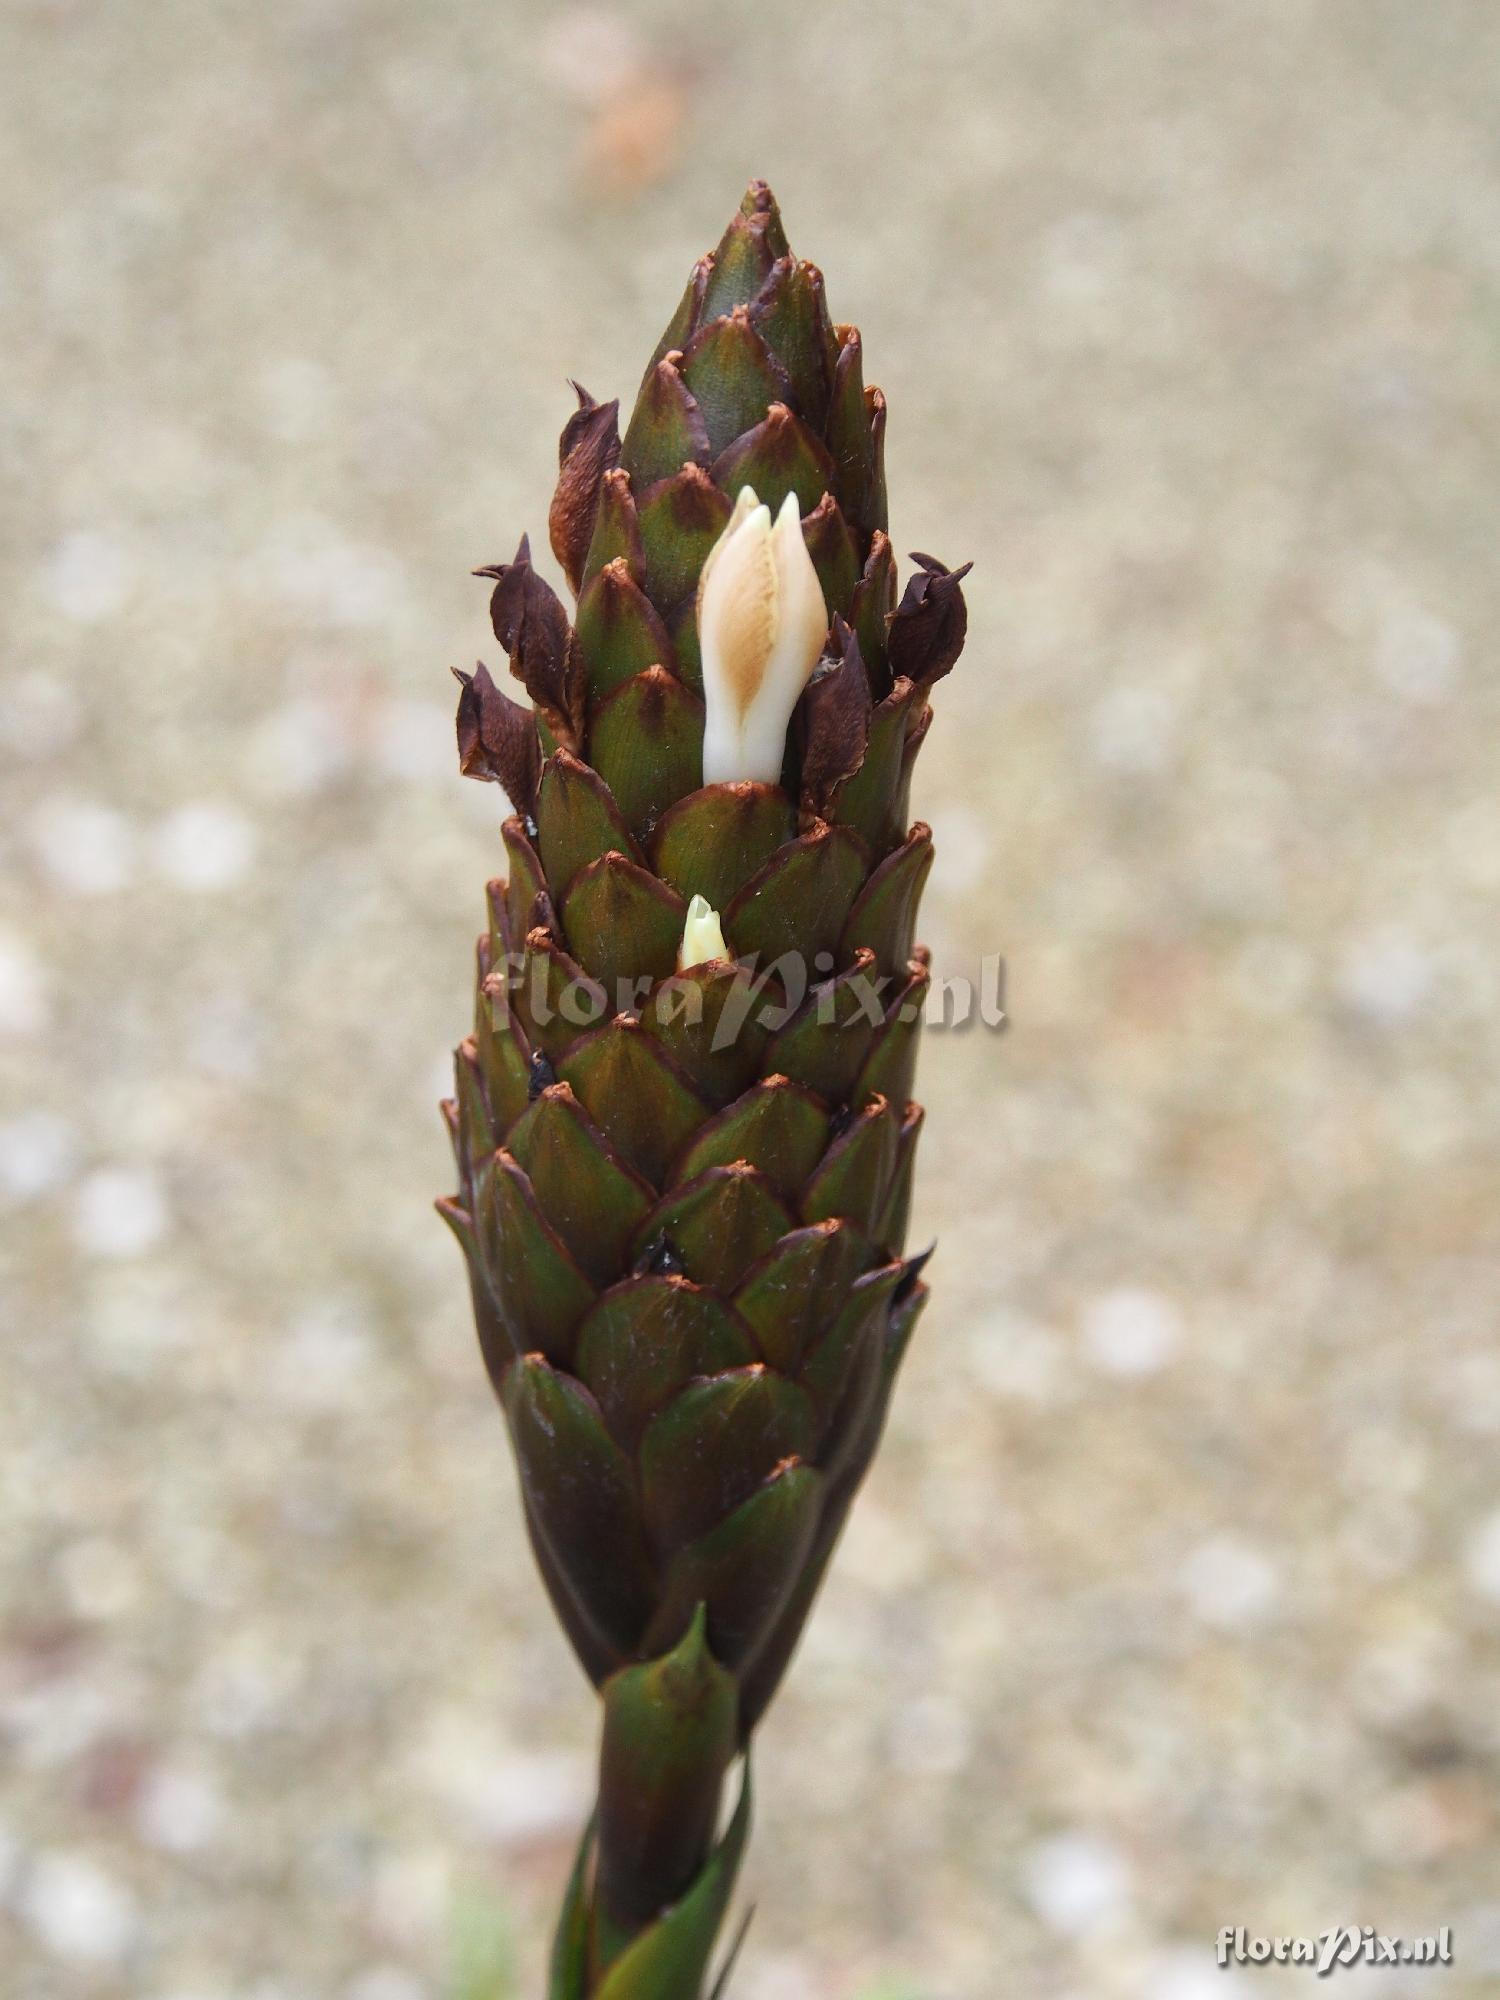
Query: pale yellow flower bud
{"type": "Point", "coordinates": [702, 935]}
{"type": "Point", "coordinates": [761, 627]}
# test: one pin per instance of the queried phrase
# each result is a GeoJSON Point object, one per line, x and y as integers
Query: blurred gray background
{"type": "Point", "coordinates": [1171, 1603]}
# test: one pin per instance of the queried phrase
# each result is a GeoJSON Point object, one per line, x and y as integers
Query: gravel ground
{"type": "Point", "coordinates": [1172, 1601]}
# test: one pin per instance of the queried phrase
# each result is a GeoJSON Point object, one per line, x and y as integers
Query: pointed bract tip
{"type": "Point", "coordinates": [760, 214]}
{"type": "Point", "coordinates": [911, 1275]}
{"type": "Point", "coordinates": [692, 1647]}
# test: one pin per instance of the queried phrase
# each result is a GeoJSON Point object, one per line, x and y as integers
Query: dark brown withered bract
{"type": "Point", "coordinates": [684, 1218]}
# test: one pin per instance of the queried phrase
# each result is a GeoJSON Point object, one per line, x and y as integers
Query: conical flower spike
{"type": "Point", "coordinates": [684, 1172]}
{"type": "Point", "coordinates": [702, 936]}
{"type": "Point", "coordinates": [761, 626]}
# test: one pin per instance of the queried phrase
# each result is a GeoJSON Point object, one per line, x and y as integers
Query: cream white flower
{"type": "Point", "coordinates": [761, 626]}
{"type": "Point", "coordinates": [702, 935]}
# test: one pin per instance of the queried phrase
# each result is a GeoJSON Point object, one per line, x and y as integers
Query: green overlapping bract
{"type": "Point", "coordinates": [683, 1196]}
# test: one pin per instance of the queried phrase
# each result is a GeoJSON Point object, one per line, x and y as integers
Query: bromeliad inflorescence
{"type": "Point", "coordinates": [684, 1133]}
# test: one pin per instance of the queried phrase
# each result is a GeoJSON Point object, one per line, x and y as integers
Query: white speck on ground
{"type": "Point", "coordinates": [1075, 1882]}
{"type": "Point", "coordinates": [23, 988]}
{"type": "Point", "coordinates": [39, 715]}
{"type": "Point", "coordinates": [180, 1810]}
{"type": "Point", "coordinates": [1131, 1331]}
{"type": "Point", "coordinates": [778, 1976]}
{"type": "Point", "coordinates": [386, 1982]}
{"type": "Point", "coordinates": [36, 1154]}
{"type": "Point", "coordinates": [1385, 976]}
{"type": "Point", "coordinates": [88, 577]}
{"type": "Point", "coordinates": [85, 847]}
{"type": "Point", "coordinates": [120, 1212]}
{"type": "Point", "coordinates": [1482, 1559]}
{"type": "Point", "coordinates": [1419, 656]}
{"type": "Point", "coordinates": [1189, 1972]}
{"type": "Point", "coordinates": [204, 846]}
{"type": "Point", "coordinates": [76, 1909]}
{"type": "Point", "coordinates": [1229, 1583]}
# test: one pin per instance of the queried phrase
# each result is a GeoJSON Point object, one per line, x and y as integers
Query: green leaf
{"type": "Point", "coordinates": [916, 736]}
{"type": "Point", "coordinates": [689, 647]}
{"type": "Point", "coordinates": [687, 316]}
{"type": "Point", "coordinates": [796, 1289]}
{"type": "Point", "coordinates": [646, 1337]}
{"type": "Point", "coordinates": [544, 1293]}
{"type": "Point", "coordinates": [680, 520]}
{"type": "Point", "coordinates": [777, 456]}
{"type": "Point", "coordinates": [867, 801]}
{"type": "Point", "coordinates": [476, 1128]}
{"type": "Point", "coordinates": [744, 1569]}
{"type": "Point", "coordinates": [889, 1070]}
{"type": "Point", "coordinates": [884, 916]}
{"type": "Point", "coordinates": [569, 1976]}
{"type": "Point", "coordinates": [741, 264]}
{"type": "Point", "coordinates": [729, 371]}
{"type": "Point", "coordinates": [670, 1960]}
{"type": "Point", "coordinates": [646, 742]}
{"type": "Point", "coordinates": [718, 1224]}
{"type": "Point", "coordinates": [790, 314]}
{"type": "Point", "coordinates": [630, 1088]}
{"type": "Point", "coordinates": [798, 902]}
{"type": "Point", "coordinates": [777, 1126]}
{"type": "Point", "coordinates": [707, 1020]}
{"type": "Point", "coordinates": [625, 925]}
{"type": "Point", "coordinates": [827, 1040]}
{"type": "Point", "coordinates": [834, 554]}
{"type": "Point", "coordinates": [617, 534]}
{"type": "Point", "coordinates": [875, 513]}
{"type": "Point", "coordinates": [577, 820]}
{"type": "Point", "coordinates": [620, 631]}
{"type": "Point", "coordinates": [526, 880]}
{"type": "Point", "coordinates": [855, 1174]}
{"type": "Point", "coordinates": [896, 1212]}
{"type": "Point", "coordinates": [597, 1651]}
{"type": "Point", "coordinates": [555, 998]}
{"type": "Point", "coordinates": [759, 200]}
{"type": "Point", "coordinates": [494, 897]}
{"type": "Point", "coordinates": [874, 601]}
{"type": "Point", "coordinates": [502, 1060]}
{"type": "Point", "coordinates": [666, 429]}
{"type": "Point", "coordinates": [714, 1444]}
{"type": "Point", "coordinates": [669, 1737]}
{"type": "Point", "coordinates": [580, 1498]}
{"type": "Point", "coordinates": [843, 1371]}
{"type": "Point", "coordinates": [591, 1199]}
{"type": "Point", "coordinates": [496, 1342]}
{"type": "Point", "coordinates": [710, 843]}
{"type": "Point", "coordinates": [849, 435]}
